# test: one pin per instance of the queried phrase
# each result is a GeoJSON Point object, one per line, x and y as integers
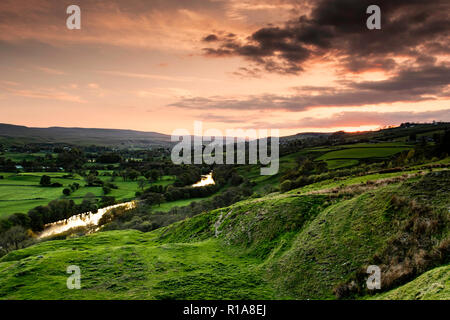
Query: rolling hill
{"type": "Point", "coordinates": [297, 245]}
{"type": "Point", "coordinates": [10, 134]}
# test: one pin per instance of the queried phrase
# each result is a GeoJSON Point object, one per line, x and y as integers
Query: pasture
{"type": "Point", "coordinates": [20, 192]}
{"type": "Point", "coordinates": [350, 155]}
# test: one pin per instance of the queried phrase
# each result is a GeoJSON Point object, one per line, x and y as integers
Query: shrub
{"type": "Point", "coordinates": [13, 239]}
{"type": "Point", "coordinates": [106, 190]}
{"type": "Point", "coordinates": [45, 181]}
{"type": "Point", "coordinates": [286, 185]}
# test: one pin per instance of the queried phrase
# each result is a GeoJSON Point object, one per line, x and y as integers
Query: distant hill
{"type": "Point", "coordinates": [306, 135]}
{"type": "Point", "coordinates": [10, 134]}
{"type": "Point", "coordinates": [14, 134]}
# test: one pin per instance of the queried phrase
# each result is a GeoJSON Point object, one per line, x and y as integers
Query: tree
{"type": "Point", "coordinates": [110, 157]}
{"type": "Point", "coordinates": [444, 143]}
{"type": "Point", "coordinates": [13, 238]}
{"type": "Point", "coordinates": [142, 183]}
{"type": "Point", "coordinates": [155, 174]}
{"type": "Point", "coordinates": [321, 166]}
{"type": "Point", "coordinates": [45, 181]}
{"type": "Point", "coordinates": [153, 198]}
{"type": "Point", "coordinates": [306, 167]}
{"type": "Point", "coordinates": [133, 174]}
{"type": "Point", "coordinates": [106, 189]}
{"type": "Point", "coordinates": [236, 179]}
{"type": "Point", "coordinates": [409, 156]}
{"type": "Point", "coordinates": [66, 191]}
{"type": "Point", "coordinates": [36, 221]}
{"type": "Point", "coordinates": [19, 219]}
{"type": "Point", "coordinates": [107, 201]}
{"type": "Point", "coordinates": [93, 181]}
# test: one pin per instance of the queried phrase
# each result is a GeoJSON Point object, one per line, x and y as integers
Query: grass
{"type": "Point", "coordinates": [336, 157]}
{"type": "Point", "coordinates": [342, 237]}
{"type": "Point", "coordinates": [131, 265]}
{"type": "Point", "coordinates": [362, 153]}
{"type": "Point", "coordinates": [432, 285]}
{"type": "Point", "coordinates": [21, 192]}
{"type": "Point", "coordinates": [275, 247]}
{"type": "Point", "coordinates": [350, 155]}
{"type": "Point", "coordinates": [347, 181]}
{"type": "Point", "coordinates": [333, 164]}
{"type": "Point", "coordinates": [166, 206]}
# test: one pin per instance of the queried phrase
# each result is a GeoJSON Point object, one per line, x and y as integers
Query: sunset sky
{"type": "Point", "coordinates": [159, 65]}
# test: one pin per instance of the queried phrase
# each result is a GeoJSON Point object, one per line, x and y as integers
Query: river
{"type": "Point", "coordinates": [92, 219]}
{"type": "Point", "coordinates": [206, 180]}
{"type": "Point", "coordinates": [80, 220]}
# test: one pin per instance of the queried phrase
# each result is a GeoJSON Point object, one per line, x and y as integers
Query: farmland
{"type": "Point", "coordinates": [270, 258]}
{"type": "Point", "coordinates": [333, 208]}
{"type": "Point", "coordinates": [20, 192]}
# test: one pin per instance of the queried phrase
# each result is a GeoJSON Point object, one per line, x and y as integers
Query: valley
{"type": "Point", "coordinates": [308, 232]}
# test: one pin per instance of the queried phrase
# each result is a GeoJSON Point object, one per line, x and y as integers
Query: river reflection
{"type": "Point", "coordinates": [92, 219]}
{"type": "Point", "coordinates": [81, 220]}
{"type": "Point", "coordinates": [206, 180]}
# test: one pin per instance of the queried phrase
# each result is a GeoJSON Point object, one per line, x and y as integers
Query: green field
{"type": "Point", "coordinates": [17, 156]}
{"type": "Point", "coordinates": [303, 243]}
{"type": "Point", "coordinates": [132, 265]}
{"type": "Point", "coordinates": [21, 192]}
{"type": "Point", "coordinates": [351, 155]}
{"type": "Point", "coordinates": [333, 164]}
{"type": "Point", "coordinates": [265, 248]}
{"type": "Point", "coordinates": [336, 157]}
{"type": "Point", "coordinates": [362, 153]}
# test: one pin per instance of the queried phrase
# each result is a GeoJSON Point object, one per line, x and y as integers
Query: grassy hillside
{"type": "Point", "coordinates": [432, 285]}
{"type": "Point", "coordinates": [336, 157]}
{"type": "Point", "coordinates": [293, 245]}
{"type": "Point", "coordinates": [130, 265]}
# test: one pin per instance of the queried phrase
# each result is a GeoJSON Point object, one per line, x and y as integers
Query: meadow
{"type": "Point", "coordinates": [20, 192]}
{"type": "Point", "coordinates": [336, 157]}
{"type": "Point", "coordinates": [271, 247]}
{"type": "Point", "coordinates": [310, 240]}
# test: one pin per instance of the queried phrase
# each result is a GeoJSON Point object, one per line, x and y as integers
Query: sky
{"type": "Point", "coordinates": [160, 65]}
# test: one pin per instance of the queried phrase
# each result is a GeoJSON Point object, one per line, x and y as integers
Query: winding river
{"type": "Point", "coordinates": [92, 219]}
{"type": "Point", "coordinates": [80, 220]}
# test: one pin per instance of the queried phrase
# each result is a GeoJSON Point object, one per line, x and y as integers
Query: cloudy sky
{"type": "Point", "coordinates": [158, 65]}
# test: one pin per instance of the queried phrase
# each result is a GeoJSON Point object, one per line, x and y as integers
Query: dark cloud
{"type": "Point", "coordinates": [409, 85]}
{"type": "Point", "coordinates": [412, 28]}
{"type": "Point", "coordinates": [245, 72]}
{"type": "Point", "coordinates": [210, 38]}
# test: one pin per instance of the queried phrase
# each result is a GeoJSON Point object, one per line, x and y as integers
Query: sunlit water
{"type": "Point", "coordinates": [81, 220]}
{"type": "Point", "coordinates": [206, 180]}
{"type": "Point", "coordinates": [92, 219]}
